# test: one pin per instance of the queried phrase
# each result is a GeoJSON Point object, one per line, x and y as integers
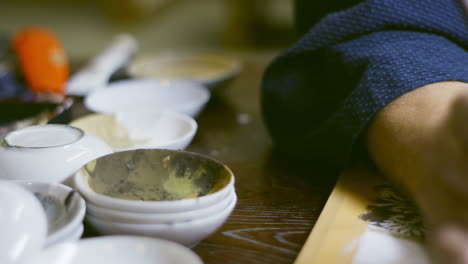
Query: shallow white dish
{"type": "Point", "coordinates": [140, 129]}
{"type": "Point", "coordinates": [149, 95]}
{"type": "Point", "coordinates": [23, 224]}
{"type": "Point", "coordinates": [65, 208]}
{"type": "Point", "coordinates": [188, 233]}
{"type": "Point", "coordinates": [48, 153]}
{"type": "Point", "coordinates": [117, 250]}
{"type": "Point", "coordinates": [157, 218]}
{"type": "Point", "coordinates": [221, 187]}
{"type": "Point", "coordinates": [209, 69]}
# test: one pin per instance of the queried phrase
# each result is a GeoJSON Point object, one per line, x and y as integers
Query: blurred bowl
{"type": "Point", "coordinates": [23, 224]}
{"type": "Point", "coordinates": [157, 218]}
{"type": "Point", "coordinates": [47, 153]}
{"type": "Point", "coordinates": [149, 95]}
{"type": "Point", "coordinates": [140, 129]}
{"type": "Point", "coordinates": [65, 209]}
{"type": "Point", "coordinates": [72, 236]}
{"type": "Point", "coordinates": [209, 69]}
{"type": "Point", "coordinates": [154, 181]}
{"type": "Point", "coordinates": [76, 234]}
{"type": "Point", "coordinates": [117, 250]}
{"type": "Point", "coordinates": [188, 233]}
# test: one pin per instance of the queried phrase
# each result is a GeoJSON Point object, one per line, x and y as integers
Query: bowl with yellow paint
{"type": "Point", "coordinates": [154, 181]}
{"type": "Point", "coordinates": [140, 129]}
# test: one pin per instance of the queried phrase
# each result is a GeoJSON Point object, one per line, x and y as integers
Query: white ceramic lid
{"type": "Point", "coordinates": [43, 136]}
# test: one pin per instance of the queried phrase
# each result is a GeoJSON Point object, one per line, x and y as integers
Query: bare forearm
{"type": "Point", "coordinates": [403, 136]}
{"type": "Point", "coordinates": [420, 141]}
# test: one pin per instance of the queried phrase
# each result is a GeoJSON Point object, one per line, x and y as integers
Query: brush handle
{"type": "Point", "coordinates": [116, 55]}
{"type": "Point", "coordinates": [97, 73]}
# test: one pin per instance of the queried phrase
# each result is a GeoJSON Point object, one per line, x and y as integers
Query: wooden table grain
{"type": "Point", "coordinates": [278, 202]}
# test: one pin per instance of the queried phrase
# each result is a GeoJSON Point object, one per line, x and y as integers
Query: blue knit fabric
{"type": "Point", "coordinates": [318, 96]}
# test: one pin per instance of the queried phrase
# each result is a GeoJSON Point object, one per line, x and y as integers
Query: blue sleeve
{"type": "Point", "coordinates": [319, 96]}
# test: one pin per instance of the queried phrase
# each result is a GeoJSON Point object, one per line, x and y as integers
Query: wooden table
{"type": "Point", "coordinates": [278, 203]}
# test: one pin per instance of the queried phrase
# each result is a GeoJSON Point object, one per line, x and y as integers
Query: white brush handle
{"type": "Point", "coordinates": [97, 73]}
{"type": "Point", "coordinates": [116, 55]}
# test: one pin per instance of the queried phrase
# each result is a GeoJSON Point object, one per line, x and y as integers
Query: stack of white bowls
{"type": "Point", "coordinates": [36, 215]}
{"type": "Point", "coordinates": [186, 221]}
{"type": "Point", "coordinates": [64, 208]}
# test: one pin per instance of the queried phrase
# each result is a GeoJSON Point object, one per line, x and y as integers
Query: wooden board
{"type": "Point", "coordinates": [337, 234]}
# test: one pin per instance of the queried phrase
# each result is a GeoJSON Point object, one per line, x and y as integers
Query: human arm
{"type": "Point", "coordinates": [420, 141]}
{"type": "Point", "coordinates": [319, 96]}
{"type": "Point", "coordinates": [392, 80]}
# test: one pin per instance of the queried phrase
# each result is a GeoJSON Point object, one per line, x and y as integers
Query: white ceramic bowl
{"type": "Point", "coordinates": [65, 208]}
{"type": "Point", "coordinates": [23, 224]}
{"type": "Point", "coordinates": [187, 233]}
{"type": "Point", "coordinates": [117, 250]}
{"type": "Point", "coordinates": [217, 177]}
{"type": "Point", "coordinates": [73, 236]}
{"type": "Point", "coordinates": [48, 153]}
{"type": "Point", "coordinates": [157, 218]}
{"type": "Point", "coordinates": [140, 129]}
{"type": "Point", "coordinates": [149, 95]}
{"type": "Point", "coordinates": [209, 69]}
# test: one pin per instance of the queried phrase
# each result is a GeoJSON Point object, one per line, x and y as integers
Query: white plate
{"type": "Point", "coordinates": [117, 250]}
{"type": "Point", "coordinates": [149, 95]}
{"type": "Point", "coordinates": [209, 69]}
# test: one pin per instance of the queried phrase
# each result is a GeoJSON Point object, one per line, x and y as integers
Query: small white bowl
{"type": "Point", "coordinates": [23, 224]}
{"type": "Point", "coordinates": [209, 69]}
{"type": "Point", "coordinates": [140, 129]}
{"type": "Point", "coordinates": [117, 250]}
{"type": "Point", "coordinates": [149, 95]}
{"type": "Point", "coordinates": [109, 170]}
{"type": "Point", "coordinates": [156, 218]}
{"type": "Point", "coordinates": [48, 153]}
{"type": "Point", "coordinates": [73, 236]}
{"type": "Point", "coordinates": [65, 208]}
{"type": "Point", "coordinates": [187, 233]}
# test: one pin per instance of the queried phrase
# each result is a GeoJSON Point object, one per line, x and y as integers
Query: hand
{"type": "Point", "coordinates": [420, 141]}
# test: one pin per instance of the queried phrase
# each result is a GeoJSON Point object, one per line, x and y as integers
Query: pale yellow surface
{"type": "Point", "coordinates": [107, 127]}
{"type": "Point", "coordinates": [335, 237]}
{"type": "Point", "coordinates": [184, 66]}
